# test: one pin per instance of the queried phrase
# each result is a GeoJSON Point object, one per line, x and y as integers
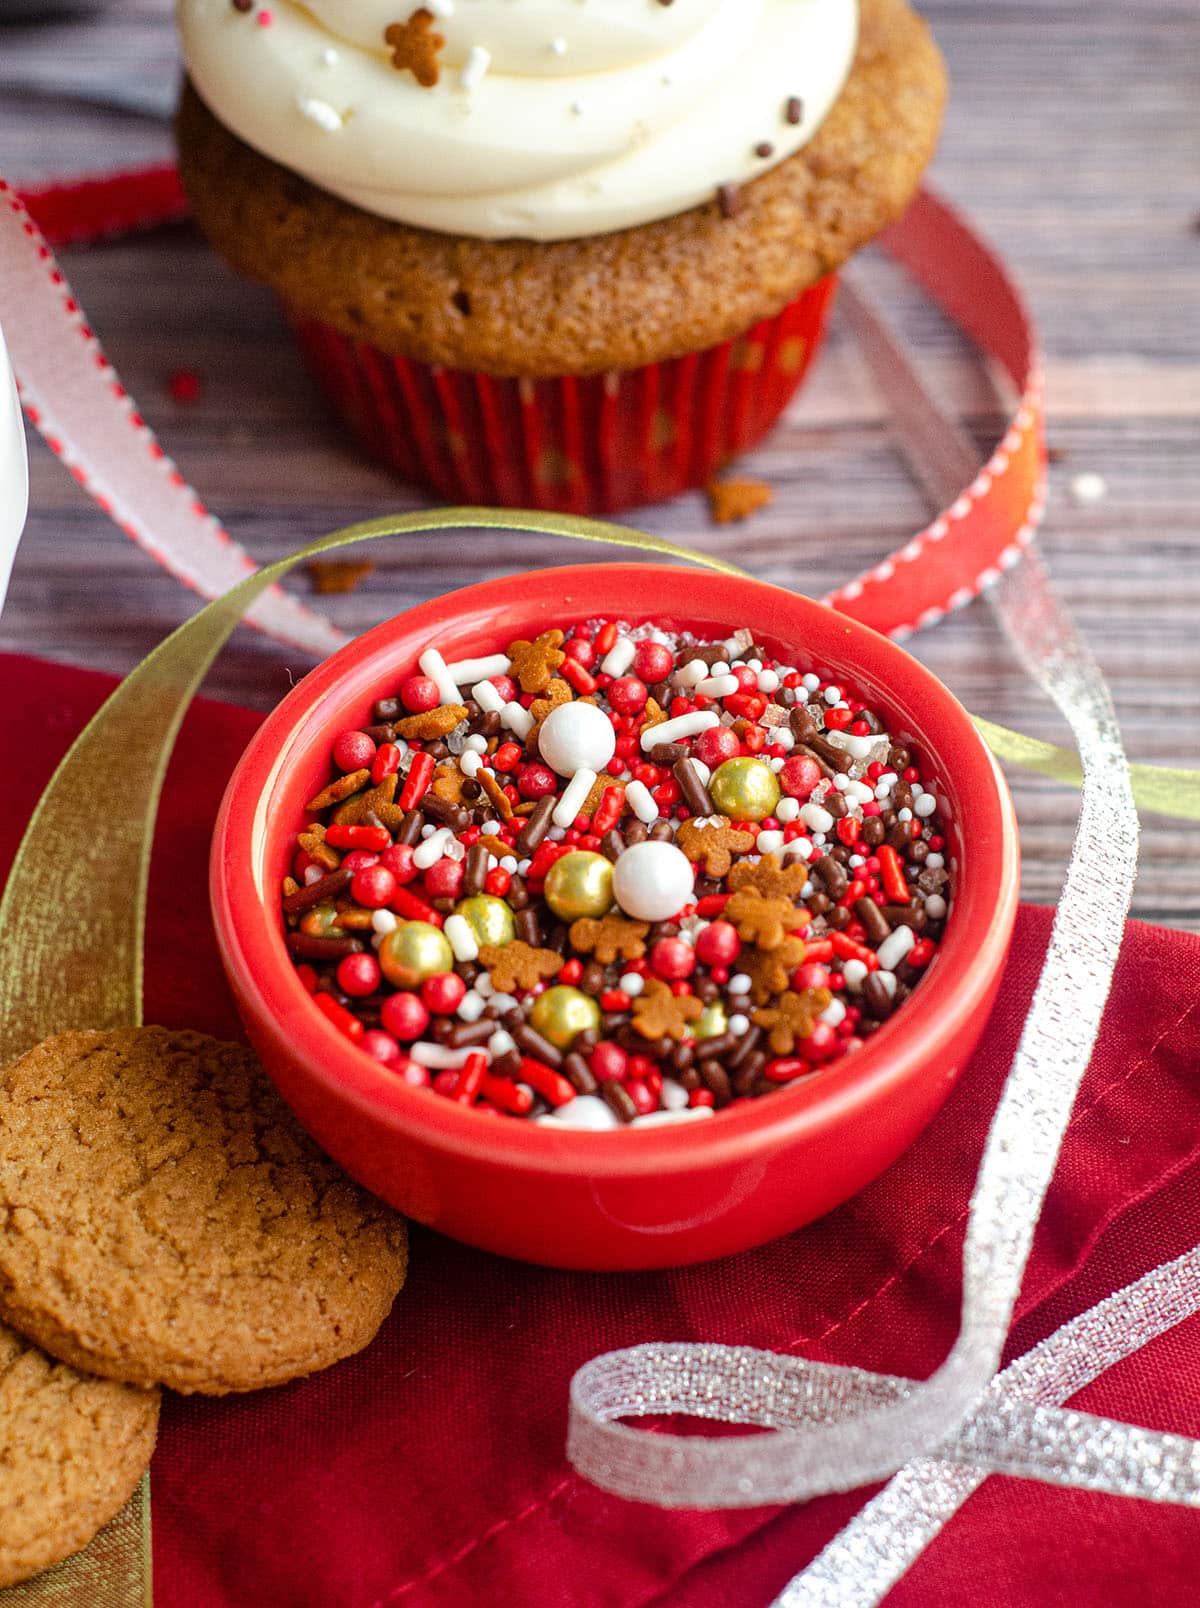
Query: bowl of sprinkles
{"type": "Point", "coordinates": [616, 916]}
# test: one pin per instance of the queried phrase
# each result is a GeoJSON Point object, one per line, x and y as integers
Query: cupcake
{"type": "Point", "coordinates": [553, 254]}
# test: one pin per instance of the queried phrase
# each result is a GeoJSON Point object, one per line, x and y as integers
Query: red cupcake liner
{"type": "Point", "coordinates": [580, 444]}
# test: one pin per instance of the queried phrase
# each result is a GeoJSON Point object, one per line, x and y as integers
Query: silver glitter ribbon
{"type": "Point", "coordinates": [833, 1428]}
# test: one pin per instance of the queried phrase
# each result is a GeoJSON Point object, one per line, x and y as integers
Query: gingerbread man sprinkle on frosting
{"type": "Point", "coordinates": [415, 47]}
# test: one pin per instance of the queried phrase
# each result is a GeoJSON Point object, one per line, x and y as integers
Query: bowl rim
{"type": "Point", "coordinates": [958, 982]}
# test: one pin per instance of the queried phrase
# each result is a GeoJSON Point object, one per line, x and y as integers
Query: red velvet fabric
{"type": "Point", "coordinates": [430, 1469]}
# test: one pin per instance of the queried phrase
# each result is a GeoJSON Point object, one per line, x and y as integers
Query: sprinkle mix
{"type": "Point", "coordinates": [615, 877]}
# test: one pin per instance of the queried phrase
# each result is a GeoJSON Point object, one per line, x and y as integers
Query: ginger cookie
{"type": "Point", "coordinates": [75, 1448]}
{"type": "Point", "coordinates": [165, 1220]}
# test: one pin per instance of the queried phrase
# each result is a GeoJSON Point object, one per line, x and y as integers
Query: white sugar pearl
{"type": "Point", "coordinates": [1089, 487]}
{"type": "Point", "coordinates": [925, 805]}
{"type": "Point", "coordinates": [652, 881]}
{"type": "Point", "coordinates": [632, 984]}
{"type": "Point", "coordinates": [769, 842]}
{"type": "Point", "coordinates": [500, 1043]}
{"type": "Point", "coordinates": [471, 1007]}
{"type": "Point", "coordinates": [768, 681]}
{"type": "Point", "coordinates": [576, 736]}
{"type": "Point", "coordinates": [811, 682]}
{"type": "Point", "coordinates": [738, 1023]}
{"type": "Point", "coordinates": [788, 809]}
{"type": "Point", "coordinates": [739, 983]}
{"type": "Point", "coordinates": [935, 907]}
{"type": "Point", "coordinates": [935, 862]}
{"type": "Point", "coordinates": [834, 1013]}
{"type": "Point", "coordinates": [833, 695]}
{"type": "Point", "coordinates": [383, 921]}
{"type": "Point", "coordinates": [817, 818]}
{"type": "Point", "coordinates": [313, 873]}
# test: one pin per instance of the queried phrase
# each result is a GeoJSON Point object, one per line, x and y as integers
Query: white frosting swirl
{"type": "Point", "coordinates": [551, 119]}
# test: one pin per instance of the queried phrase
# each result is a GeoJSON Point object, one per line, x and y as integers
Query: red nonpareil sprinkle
{"type": "Point", "coordinates": [185, 386]}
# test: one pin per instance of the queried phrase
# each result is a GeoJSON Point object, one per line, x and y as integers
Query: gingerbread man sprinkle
{"type": "Point", "coordinates": [609, 937]}
{"type": "Point", "coordinates": [792, 1019]}
{"type": "Point", "coordinates": [415, 47]}
{"type": "Point", "coordinates": [762, 921]}
{"type": "Point", "coordinates": [770, 877]}
{"type": "Point", "coordinates": [657, 1013]}
{"type": "Point", "coordinates": [534, 663]}
{"type": "Point", "coordinates": [714, 840]}
{"type": "Point", "coordinates": [518, 967]}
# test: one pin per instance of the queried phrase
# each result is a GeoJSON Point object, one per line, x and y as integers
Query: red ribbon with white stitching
{"type": "Point", "coordinates": [72, 395]}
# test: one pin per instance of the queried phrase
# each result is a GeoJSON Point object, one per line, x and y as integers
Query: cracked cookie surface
{"type": "Point", "coordinates": [165, 1220]}
{"type": "Point", "coordinates": [72, 1452]}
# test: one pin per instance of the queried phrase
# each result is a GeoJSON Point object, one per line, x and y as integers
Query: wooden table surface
{"type": "Point", "coordinates": [1072, 140]}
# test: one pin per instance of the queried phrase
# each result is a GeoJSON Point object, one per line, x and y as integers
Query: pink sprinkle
{"type": "Point", "coordinates": [264, 19]}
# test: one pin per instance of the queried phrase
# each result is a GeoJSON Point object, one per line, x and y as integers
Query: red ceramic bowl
{"type": "Point", "coordinates": [624, 1199]}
